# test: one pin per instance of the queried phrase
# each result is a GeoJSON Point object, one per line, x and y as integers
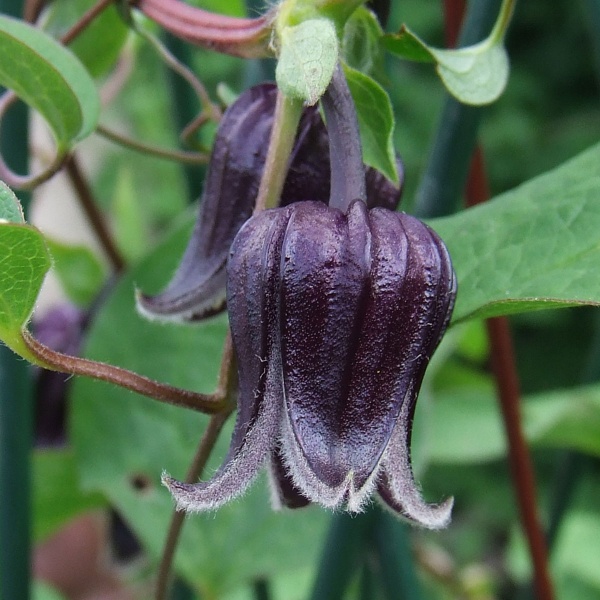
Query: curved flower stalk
{"type": "Point", "coordinates": [334, 317]}
{"type": "Point", "coordinates": [197, 290]}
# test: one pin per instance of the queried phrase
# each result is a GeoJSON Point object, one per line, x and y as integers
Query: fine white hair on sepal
{"type": "Point", "coordinates": [240, 468]}
{"type": "Point", "coordinates": [398, 488]}
{"type": "Point", "coordinates": [304, 478]}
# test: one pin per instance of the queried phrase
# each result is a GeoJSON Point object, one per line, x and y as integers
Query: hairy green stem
{"type": "Point", "coordinates": [287, 116]}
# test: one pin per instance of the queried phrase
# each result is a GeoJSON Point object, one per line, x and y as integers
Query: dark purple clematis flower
{"type": "Point", "coordinates": [197, 290]}
{"type": "Point", "coordinates": [335, 312]}
{"type": "Point", "coordinates": [334, 318]}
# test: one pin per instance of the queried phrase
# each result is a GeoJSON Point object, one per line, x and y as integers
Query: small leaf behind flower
{"type": "Point", "coordinates": [375, 121]}
{"type": "Point", "coordinates": [475, 75]}
{"type": "Point", "coordinates": [309, 53]}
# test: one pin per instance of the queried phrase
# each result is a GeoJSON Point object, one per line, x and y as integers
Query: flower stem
{"type": "Point", "coordinates": [285, 123]}
{"type": "Point", "coordinates": [47, 358]}
{"type": "Point", "coordinates": [501, 25]}
{"type": "Point", "coordinates": [180, 156]}
{"type": "Point", "coordinates": [345, 151]}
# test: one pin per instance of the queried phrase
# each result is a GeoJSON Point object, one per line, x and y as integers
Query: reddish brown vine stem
{"type": "Point", "coordinates": [505, 371]}
{"type": "Point", "coordinates": [63, 363]}
{"type": "Point", "coordinates": [509, 394]}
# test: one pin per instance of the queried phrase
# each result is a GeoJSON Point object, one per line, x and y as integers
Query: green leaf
{"type": "Point", "coordinates": [79, 270]}
{"type": "Point", "coordinates": [361, 44]}
{"type": "Point", "coordinates": [309, 53]}
{"type": "Point", "coordinates": [375, 121]}
{"type": "Point", "coordinates": [467, 425]}
{"type": "Point", "coordinates": [474, 75]}
{"type": "Point", "coordinates": [408, 45]}
{"type": "Point", "coordinates": [56, 494]}
{"type": "Point", "coordinates": [24, 262]}
{"type": "Point", "coordinates": [10, 207]}
{"type": "Point", "coordinates": [531, 248]}
{"type": "Point", "coordinates": [123, 442]}
{"type": "Point", "coordinates": [574, 563]}
{"type": "Point", "coordinates": [99, 45]}
{"type": "Point", "coordinates": [49, 78]}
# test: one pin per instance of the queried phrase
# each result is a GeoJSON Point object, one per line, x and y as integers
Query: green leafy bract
{"type": "Point", "coordinates": [361, 44]}
{"type": "Point", "coordinates": [49, 78]}
{"type": "Point", "coordinates": [475, 74]}
{"type": "Point", "coordinates": [309, 53]}
{"type": "Point", "coordinates": [375, 121]}
{"type": "Point", "coordinates": [531, 248]}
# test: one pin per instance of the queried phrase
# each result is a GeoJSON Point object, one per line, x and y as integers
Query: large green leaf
{"type": "Point", "coordinates": [467, 425]}
{"type": "Point", "coordinates": [56, 495]}
{"type": "Point", "coordinates": [123, 442]}
{"type": "Point", "coordinates": [376, 122]}
{"type": "Point", "coordinates": [531, 248]}
{"type": "Point", "coordinates": [24, 262]}
{"type": "Point", "coordinates": [49, 78]}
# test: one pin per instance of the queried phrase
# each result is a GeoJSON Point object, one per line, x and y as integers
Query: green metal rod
{"type": "Point", "coordinates": [16, 419]}
{"type": "Point", "coordinates": [341, 555]}
{"type": "Point", "coordinates": [392, 544]}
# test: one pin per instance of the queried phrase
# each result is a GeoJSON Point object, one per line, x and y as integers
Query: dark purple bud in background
{"type": "Point", "coordinates": [334, 318]}
{"type": "Point", "coordinates": [197, 289]}
{"type": "Point", "coordinates": [61, 329]}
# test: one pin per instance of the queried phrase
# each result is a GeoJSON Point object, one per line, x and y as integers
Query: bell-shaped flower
{"type": "Point", "coordinates": [335, 312]}
{"type": "Point", "coordinates": [197, 289]}
{"type": "Point", "coordinates": [334, 318]}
